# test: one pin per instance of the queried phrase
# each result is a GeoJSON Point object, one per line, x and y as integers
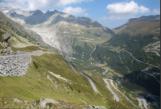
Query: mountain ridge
{"type": "Point", "coordinates": [43, 16]}
{"type": "Point", "coordinates": [145, 23]}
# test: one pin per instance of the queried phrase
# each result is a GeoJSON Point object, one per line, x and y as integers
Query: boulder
{"type": "Point", "coordinates": [5, 37]}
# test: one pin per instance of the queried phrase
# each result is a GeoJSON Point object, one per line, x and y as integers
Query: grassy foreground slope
{"type": "Point", "coordinates": [39, 83]}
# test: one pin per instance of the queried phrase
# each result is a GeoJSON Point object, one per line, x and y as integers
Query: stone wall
{"type": "Point", "coordinates": [14, 65]}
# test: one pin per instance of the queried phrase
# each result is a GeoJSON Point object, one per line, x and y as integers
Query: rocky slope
{"type": "Point", "coordinates": [14, 30]}
{"type": "Point", "coordinates": [74, 37]}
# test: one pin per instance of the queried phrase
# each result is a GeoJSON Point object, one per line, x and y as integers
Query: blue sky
{"type": "Point", "coordinates": [111, 13]}
{"type": "Point", "coordinates": [97, 10]}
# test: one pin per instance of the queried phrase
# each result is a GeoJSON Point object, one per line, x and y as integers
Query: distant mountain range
{"type": "Point", "coordinates": [38, 17]}
{"type": "Point", "coordinates": [93, 62]}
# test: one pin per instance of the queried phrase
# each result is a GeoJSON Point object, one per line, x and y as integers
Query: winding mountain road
{"type": "Point", "coordinates": [110, 86]}
{"type": "Point", "coordinates": [130, 54]}
{"type": "Point", "coordinates": [91, 82]}
{"type": "Point", "coordinates": [93, 85]}
{"type": "Point", "coordinates": [142, 103]}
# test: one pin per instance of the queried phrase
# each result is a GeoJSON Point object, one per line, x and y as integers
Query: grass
{"type": "Point", "coordinates": [35, 85]}
{"type": "Point", "coordinates": [26, 49]}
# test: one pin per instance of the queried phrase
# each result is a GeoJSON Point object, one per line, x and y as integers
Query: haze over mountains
{"type": "Point", "coordinates": [93, 67]}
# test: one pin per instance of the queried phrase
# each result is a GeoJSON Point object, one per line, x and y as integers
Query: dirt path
{"type": "Point", "coordinates": [59, 77]}
{"type": "Point", "coordinates": [93, 85]}
{"type": "Point", "coordinates": [110, 86]}
{"type": "Point", "coordinates": [91, 82]}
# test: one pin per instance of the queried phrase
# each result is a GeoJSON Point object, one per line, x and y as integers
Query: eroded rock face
{"type": "Point", "coordinates": [14, 65]}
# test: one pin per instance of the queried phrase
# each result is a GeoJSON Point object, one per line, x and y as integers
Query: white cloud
{"type": "Point", "coordinates": [125, 8]}
{"type": "Point", "coordinates": [27, 4]}
{"type": "Point", "coordinates": [75, 11]}
{"type": "Point", "coordinates": [39, 4]}
{"type": "Point", "coordinates": [68, 2]}
{"type": "Point", "coordinates": [120, 12]}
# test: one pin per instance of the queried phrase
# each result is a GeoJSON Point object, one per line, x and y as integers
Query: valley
{"type": "Point", "coordinates": [66, 62]}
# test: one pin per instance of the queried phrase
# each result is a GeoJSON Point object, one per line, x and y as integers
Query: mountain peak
{"type": "Point", "coordinates": [37, 12]}
{"type": "Point", "coordinates": [56, 11]}
{"type": "Point", "coordinates": [50, 13]}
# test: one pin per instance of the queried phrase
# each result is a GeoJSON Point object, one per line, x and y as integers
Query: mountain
{"type": "Point", "coordinates": [134, 52]}
{"type": "Point", "coordinates": [141, 26]}
{"type": "Point", "coordinates": [38, 17]}
{"type": "Point", "coordinates": [31, 76]}
{"type": "Point", "coordinates": [66, 32]}
{"type": "Point", "coordinates": [74, 37]}
{"type": "Point", "coordinates": [13, 31]}
{"type": "Point", "coordinates": [30, 17]}
{"type": "Point", "coordinates": [142, 44]}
